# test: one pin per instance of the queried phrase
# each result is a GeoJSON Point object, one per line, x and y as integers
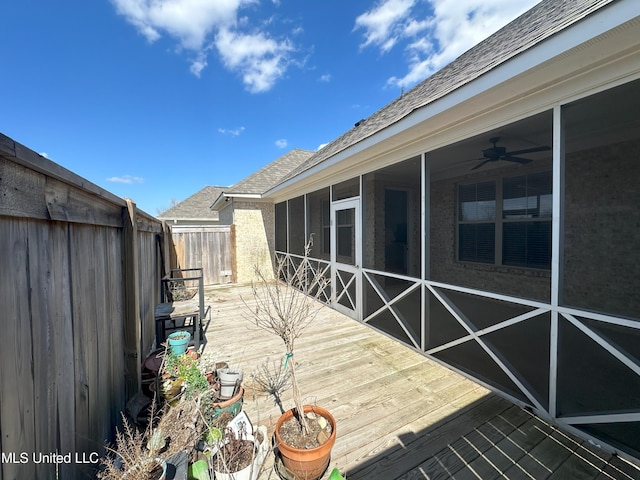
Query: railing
{"type": "Point", "coordinates": [179, 289]}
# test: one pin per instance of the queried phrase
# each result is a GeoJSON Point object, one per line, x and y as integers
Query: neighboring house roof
{"type": "Point", "coordinates": [195, 207]}
{"type": "Point", "coordinates": [542, 21]}
{"type": "Point", "coordinates": [267, 177]}
{"type": "Point", "coordinates": [270, 175]}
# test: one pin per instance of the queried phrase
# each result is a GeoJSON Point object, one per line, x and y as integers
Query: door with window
{"type": "Point", "coordinates": [345, 257]}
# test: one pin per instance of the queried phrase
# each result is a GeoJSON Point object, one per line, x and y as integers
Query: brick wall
{"type": "Point", "coordinates": [601, 236]}
{"type": "Point", "coordinates": [602, 229]}
{"type": "Point", "coordinates": [375, 237]}
{"type": "Point", "coordinates": [534, 284]}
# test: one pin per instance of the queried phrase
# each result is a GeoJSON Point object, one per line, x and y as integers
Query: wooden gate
{"type": "Point", "coordinates": [207, 247]}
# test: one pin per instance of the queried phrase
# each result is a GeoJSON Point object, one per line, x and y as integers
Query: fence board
{"type": "Point", "coordinates": [72, 205]}
{"type": "Point", "coordinates": [206, 247]}
{"type": "Point", "coordinates": [61, 301]}
{"type": "Point", "coordinates": [43, 311]}
{"type": "Point", "coordinates": [19, 190]}
{"type": "Point", "coordinates": [84, 290]}
{"type": "Point", "coordinates": [16, 378]}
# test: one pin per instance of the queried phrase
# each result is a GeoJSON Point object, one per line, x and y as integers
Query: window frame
{"type": "Point", "coordinates": [499, 220]}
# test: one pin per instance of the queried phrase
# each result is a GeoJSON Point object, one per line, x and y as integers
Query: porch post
{"type": "Point", "coordinates": [556, 251]}
{"type": "Point", "coordinates": [425, 246]}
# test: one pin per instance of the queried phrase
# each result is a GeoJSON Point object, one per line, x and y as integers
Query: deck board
{"type": "Point", "coordinates": [400, 415]}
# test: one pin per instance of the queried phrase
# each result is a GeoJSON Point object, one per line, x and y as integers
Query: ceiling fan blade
{"type": "Point", "coordinates": [482, 163]}
{"type": "Point", "coordinates": [529, 150]}
{"type": "Point", "coordinates": [509, 158]}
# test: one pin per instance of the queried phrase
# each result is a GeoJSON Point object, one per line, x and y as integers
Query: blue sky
{"type": "Point", "coordinates": [155, 99]}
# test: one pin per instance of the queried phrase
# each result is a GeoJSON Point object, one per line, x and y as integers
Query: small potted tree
{"type": "Point", "coordinates": [136, 454]}
{"type": "Point", "coordinates": [285, 307]}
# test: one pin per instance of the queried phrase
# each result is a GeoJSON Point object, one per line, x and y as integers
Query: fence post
{"type": "Point", "coordinates": [131, 314]}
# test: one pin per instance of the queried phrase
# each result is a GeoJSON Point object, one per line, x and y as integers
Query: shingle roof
{"type": "Point", "coordinates": [270, 175]}
{"type": "Point", "coordinates": [542, 21]}
{"type": "Point", "coordinates": [195, 207]}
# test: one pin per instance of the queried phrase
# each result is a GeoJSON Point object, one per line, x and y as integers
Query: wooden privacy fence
{"type": "Point", "coordinates": [81, 276]}
{"type": "Point", "coordinates": [207, 247]}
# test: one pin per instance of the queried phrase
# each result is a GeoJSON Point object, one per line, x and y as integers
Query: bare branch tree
{"type": "Point", "coordinates": [286, 306]}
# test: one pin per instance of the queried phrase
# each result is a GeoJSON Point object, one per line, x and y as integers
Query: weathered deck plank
{"type": "Point", "coordinates": [400, 416]}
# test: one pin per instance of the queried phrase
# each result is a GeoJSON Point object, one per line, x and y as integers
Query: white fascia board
{"type": "Point", "coordinates": [217, 201]}
{"type": "Point", "coordinates": [598, 23]}
{"type": "Point", "coordinates": [226, 196]}
{"type": "Point", "coordinates": [245, 195]}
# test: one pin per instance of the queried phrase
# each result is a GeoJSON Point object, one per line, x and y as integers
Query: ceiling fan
{"type": "Point", "coordinates": [496, 153]}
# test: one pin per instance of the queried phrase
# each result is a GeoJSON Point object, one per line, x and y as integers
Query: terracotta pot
{"type": "Point", "coordinates": [233, 405]}
{"type": "Point", "coordinates": [306, 464]}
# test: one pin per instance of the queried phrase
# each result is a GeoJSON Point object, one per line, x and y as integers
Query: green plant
{"type": "Point", "coordinates": [186, 368]}
{"type": "Point", "coordinates": [170, 363]}
{"type": "Point", "coordinates": [194, 380]}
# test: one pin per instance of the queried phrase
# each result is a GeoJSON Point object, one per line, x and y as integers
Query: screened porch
{"type": "Point", "coordinates": [511, 257]}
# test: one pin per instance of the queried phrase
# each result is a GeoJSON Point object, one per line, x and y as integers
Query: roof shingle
{"type": "Point", "coordinates": [542, 21]}
{"type": "Point", "coordinates": [195, 207]}
{"type": "Point", "coordinates": [270, 175]}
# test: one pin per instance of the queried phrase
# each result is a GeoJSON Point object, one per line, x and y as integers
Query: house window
{"type": "Point", "coordinates": [526, 214]}
{"type": "Point", "coordinates": [515, 231]}
{"type": "Point", "coordinates": [477, 222]}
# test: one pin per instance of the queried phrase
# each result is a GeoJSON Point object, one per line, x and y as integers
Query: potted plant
{"type": "Point", "coordinates": [238, 458]}
{"type": "Point", "coordinates": [178, 341]}
{"type": "Point", "coordinates": [235, 451]}
{"type": "Point", "coordinates": [285, 307]}
{"type": "Point", "coordinates": [136, 455]}
{"type": "Point", "coordinates": [230, 380]}
{"type": "Point", "coordinates": [181, 375]}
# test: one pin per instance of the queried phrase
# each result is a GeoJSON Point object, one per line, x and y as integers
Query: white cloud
{"type": "Point", "coordinates": [326, 78]}
{"type": "Point", "coordinates": [321, 146]}
{"type": "Point", "coordinates": [260, 60]}
{"type": "Point", "coordinates": [233, 132]}
{"type": "Point", "coordinates": [433, 39]}
{"type": "Point", "coordinates": [190, 21]}
{"type": "Point", "coordinates": [129, 179]}
{"type": "Point", "coordinates": [198, 64]}
{"type": "Point", "coordinates": [282, 143]}
{"type": "Point", "coordinates": [382, 23]}
{"type": "Point", "coordinates": [199, 25]}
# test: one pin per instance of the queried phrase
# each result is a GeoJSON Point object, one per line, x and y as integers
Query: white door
{"type": "Point", "coordinates": [346, 257]}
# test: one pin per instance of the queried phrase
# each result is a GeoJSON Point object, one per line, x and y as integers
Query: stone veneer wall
{"type": "Point", "coordinates": [255, 238]}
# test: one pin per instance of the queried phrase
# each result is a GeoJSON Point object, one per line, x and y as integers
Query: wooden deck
{"type": "Point", "coordinates": [400, 416]}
